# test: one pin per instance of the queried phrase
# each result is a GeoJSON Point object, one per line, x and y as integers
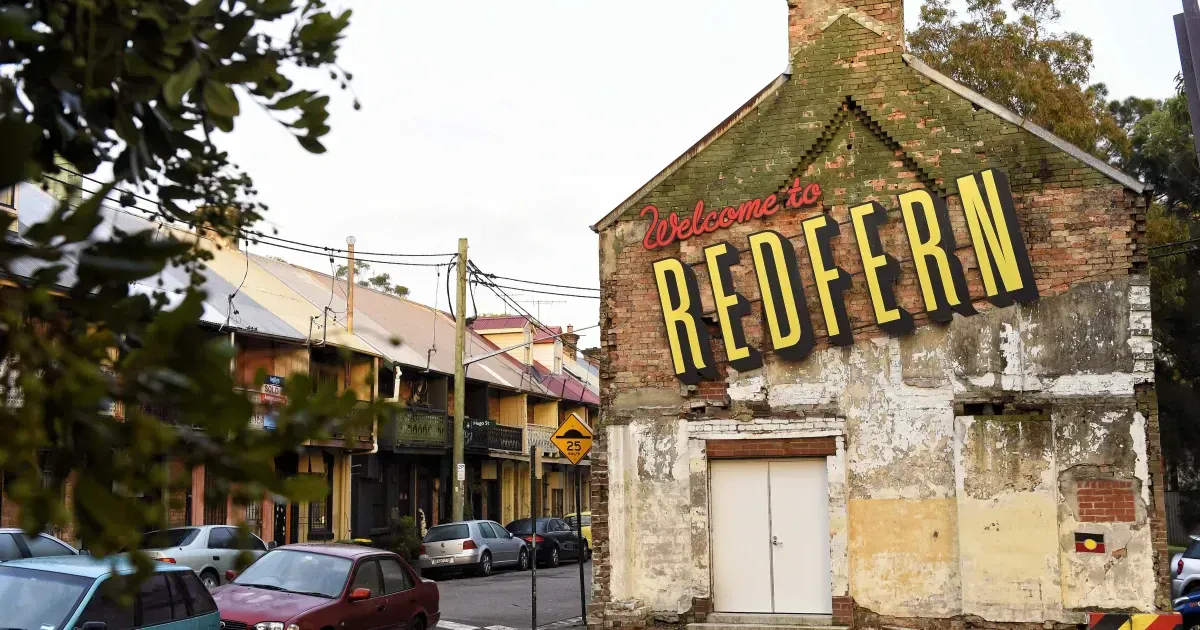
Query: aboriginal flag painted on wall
{"type": "Point", "coordinates": [1089, 543]}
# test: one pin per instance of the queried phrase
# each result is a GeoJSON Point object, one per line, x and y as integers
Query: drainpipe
{"type": "Point", "coordinates": [350, 284]}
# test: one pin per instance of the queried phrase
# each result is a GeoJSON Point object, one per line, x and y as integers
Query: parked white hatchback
{"type": "Point", "coordinates": [209, 550]}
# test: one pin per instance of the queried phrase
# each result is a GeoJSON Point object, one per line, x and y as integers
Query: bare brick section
{"type": "Point", "coordinates": [843, 610]}
{"type": "Point", "coordinates": [1106, 501]}
{"type": "Point", "coordinates": [791, 447]}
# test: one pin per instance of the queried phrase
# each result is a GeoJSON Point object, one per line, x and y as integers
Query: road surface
{"type": "Point", "coordinates": [502, 600]}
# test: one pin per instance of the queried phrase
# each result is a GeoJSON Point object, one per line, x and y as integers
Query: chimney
{"type": "Point", "coordinates": [350, 284]}
{"type": "Point", "coordinates": [570, 342]}
{"type": "Point", "coordinates": [806, 17]}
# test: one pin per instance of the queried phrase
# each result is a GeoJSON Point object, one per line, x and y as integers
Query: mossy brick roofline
{"type": "Point", "coordinates": [944, 129]}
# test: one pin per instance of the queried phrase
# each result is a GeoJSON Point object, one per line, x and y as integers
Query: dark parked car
{"type": "Point", "coordinates": [556, 541]}
{"type": "Point", "coordinates": [347, 587]}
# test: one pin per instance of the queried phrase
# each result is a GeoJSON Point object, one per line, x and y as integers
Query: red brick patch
{"type": "Point", "coordinates": [843, 610]}
{"type": "Point", "coordinates": [1105, 501]}
{"type": "Point", "coordinates": [759, 448]}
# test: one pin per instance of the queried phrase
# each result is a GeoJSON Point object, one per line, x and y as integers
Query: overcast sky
{"type": "Point", "coordinates": [519, 124]}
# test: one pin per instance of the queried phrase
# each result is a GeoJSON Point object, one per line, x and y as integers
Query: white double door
{"type": "Point", "coordinates": [770, 536]}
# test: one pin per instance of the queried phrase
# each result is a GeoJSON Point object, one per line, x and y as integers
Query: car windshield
{"type": "Point", "coordinates": [297, 572]}
{"type": "Point", "coordinates": [168, 538]}
{"type": "Point", "coordinates": [39, 600]}
{"type": "Point", "coordinates": [448, 532]}
{"type": "Point", "coordinates": [522, 527]}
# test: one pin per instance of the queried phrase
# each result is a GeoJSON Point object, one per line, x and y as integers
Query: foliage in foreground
{"type": "Point", "coordinates": [138, 88]}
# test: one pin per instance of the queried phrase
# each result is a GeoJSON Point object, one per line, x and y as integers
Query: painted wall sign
{"type": "Point", "coordinates": [664, 231]}
{"type": "Point", "coordinates": [991, 219]}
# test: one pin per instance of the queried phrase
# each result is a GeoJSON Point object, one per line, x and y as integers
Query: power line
{"type": "Point", "coordinates": [574, 295]}
{"type": "Point", "coordinates": [542, 284]}
{"type": "Point", "coordinates": [1165, 245]}
{"type": "Point", "coordinates": [245, 231]}
{"type": "Point", "coordinates": [316, 249]}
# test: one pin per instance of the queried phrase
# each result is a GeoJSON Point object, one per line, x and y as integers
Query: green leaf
{"type": "Point", "coordinates": [19, 141]}
{"type": "Point", "coordinates": [179, 83]}
{"type": "Point", "coordinates": [204, 8]}
{"type": "Point", "coordinates": [17, 25]}
{"type": "Point", "coordinates": [220, 99]}
{"type": "Point", "coordinates": [312, 145]}
{"type": "Point", "coordinates": [295, 99]}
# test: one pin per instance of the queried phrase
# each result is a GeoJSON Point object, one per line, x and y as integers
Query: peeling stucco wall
{"type": "Point", "coordinates": [951, 492]}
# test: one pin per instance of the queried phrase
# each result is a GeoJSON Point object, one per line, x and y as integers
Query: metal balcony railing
{"type": "Point", "coordinates": [421, 426]}
{"type": "Point", "coordinates": [502, 438]}
{"type": "Point", "coordinates": [476, 433]}
{"type": "Point", "coordinates": [539, 436]}
{"type": "Point", "coordinates": [362, 429]}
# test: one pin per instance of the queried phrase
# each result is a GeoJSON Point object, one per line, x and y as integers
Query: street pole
{"type": "Point", "coordinates": [533, 527]}
{"type": "Point", "coordinates": [579, 534]}
{"type": "Point", "coordinates": [458, 488]}
{"type": "Point", "coordinates": [350, 284]}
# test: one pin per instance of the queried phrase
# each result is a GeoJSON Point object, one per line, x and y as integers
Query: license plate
{"type": "Point", "coordinates": [443, 560]}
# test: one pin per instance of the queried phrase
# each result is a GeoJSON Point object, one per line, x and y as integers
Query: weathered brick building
{"type": "Point", "coordinates": [827, 391]}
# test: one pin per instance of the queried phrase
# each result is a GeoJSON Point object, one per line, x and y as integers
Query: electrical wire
{"type": "Point", "coordinates": [229, 309]}
{"type": "Point", "coordinates": [1177, 243]}
{"type": "Point", "coordinates": [258, 235]}
{"type": "Point", "coordinates": [542, 284]}
{"type": "Point", "coordinates": [574, 295]}
{"type": "Point", "coordinates": [449, 302]}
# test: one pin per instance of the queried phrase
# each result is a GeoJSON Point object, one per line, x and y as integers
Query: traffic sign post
{"type": "Point", "coordinates": [574, 439]}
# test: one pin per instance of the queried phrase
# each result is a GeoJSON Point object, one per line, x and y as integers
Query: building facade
{"type": "Point", "coordinates": [876, 349]}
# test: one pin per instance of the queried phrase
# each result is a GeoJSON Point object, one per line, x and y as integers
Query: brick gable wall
{"type": "Point", "coordinates": [855, 118]}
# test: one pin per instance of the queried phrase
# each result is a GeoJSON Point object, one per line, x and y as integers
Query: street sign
{"type": "Point", "coordinates": [462, 472]}
{"type": "Point", "coordinates": [573, 438]}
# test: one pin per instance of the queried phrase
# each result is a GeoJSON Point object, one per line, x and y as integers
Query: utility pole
{"type": "Point", "coordinates": [350, 284]}
{"type": "Point", "coordinates": [458, 489]}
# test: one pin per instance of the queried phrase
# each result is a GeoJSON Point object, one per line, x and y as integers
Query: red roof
{"type": "Point", "coordinates": [566, 386]}
{"type": "Point", "coordinates": [498, 322]}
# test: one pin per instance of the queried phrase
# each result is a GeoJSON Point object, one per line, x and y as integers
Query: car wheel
{"type": "Point", "coordinates": [418, 623]}
{"type": "Point", "coordinates": [485, 565]}
{"type": "Point", "coordinates": [587, 552]}
{"type": "Point", "coordinates": [523, 561]}
{"type": "Point", "coordinates": [210, 579]}
{"type": "Point", "coordinates": [554, 561]}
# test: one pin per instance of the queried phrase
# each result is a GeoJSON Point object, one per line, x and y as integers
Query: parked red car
{"type": "Point", "coordinates": [314, 586]}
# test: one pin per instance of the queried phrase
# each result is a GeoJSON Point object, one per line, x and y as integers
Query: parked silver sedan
{"type": "Point", "coordinates": [476, 546]}
{"type": "Point", "coordinates": [209, 550]}
{"type": "Point", "coordinates": [16, 544]}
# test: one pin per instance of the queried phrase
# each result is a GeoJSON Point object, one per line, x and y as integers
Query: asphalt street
{"type": "Point", "coordinates": [503, 599]}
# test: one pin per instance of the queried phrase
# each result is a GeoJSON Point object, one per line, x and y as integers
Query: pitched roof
{"type": "Point", "coordinates": [565, 385]}
{"type": "Point", "coordinates": [774, 91]}
{"type": "Point", "coordinates": [499, 322]}
{"type": "Point", "coordinates": [243, 313]}
{"type": "Point", "coordinates": [425, 334]}
{"type": "Point", "coordinates": [541, 334]}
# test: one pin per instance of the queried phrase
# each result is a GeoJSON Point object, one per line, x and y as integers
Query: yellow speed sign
{"type": "Point", "coordinates": [573, 438]}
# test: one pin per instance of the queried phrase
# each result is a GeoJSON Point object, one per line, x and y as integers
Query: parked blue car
{"type": "Point", "coordinates": [82, 593]}
{"type": "Point", "coordinates": [1189, 607]}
